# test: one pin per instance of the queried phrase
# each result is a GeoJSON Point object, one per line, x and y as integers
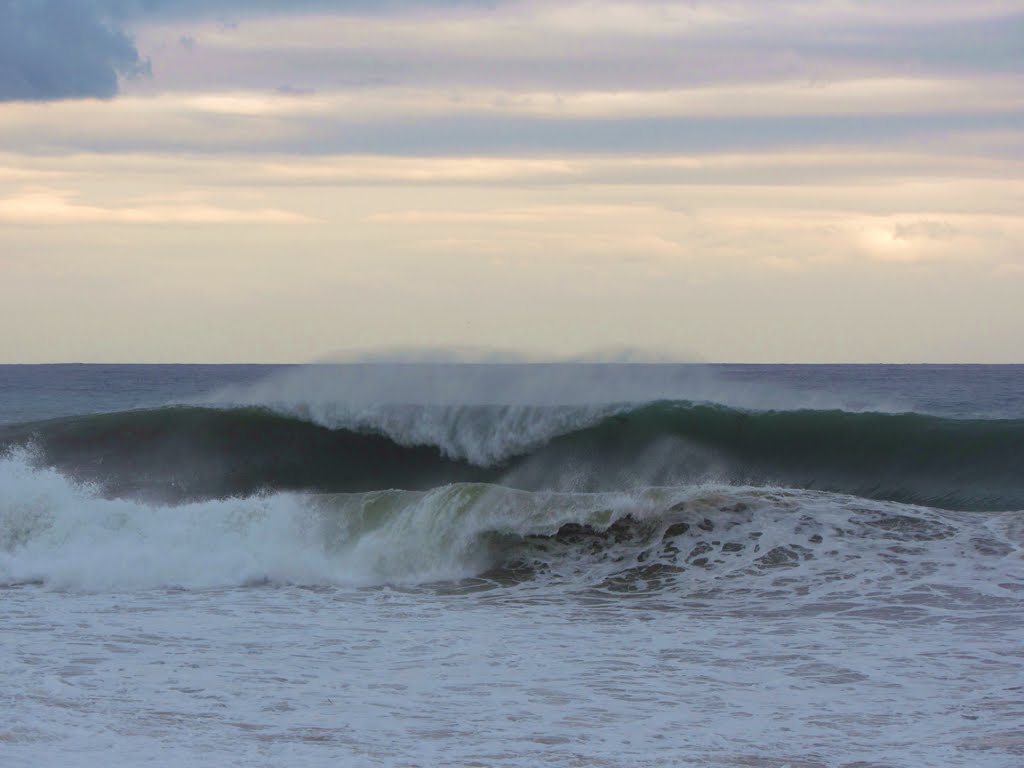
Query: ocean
{"type": "Point", "coordinates": [398, 564]}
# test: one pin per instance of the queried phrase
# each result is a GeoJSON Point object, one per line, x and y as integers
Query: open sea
{"type": "Point", "coordinates": [512, 565]}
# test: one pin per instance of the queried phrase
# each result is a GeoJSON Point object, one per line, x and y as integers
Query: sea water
{"type": "Point", "coordinates": [522, 565]}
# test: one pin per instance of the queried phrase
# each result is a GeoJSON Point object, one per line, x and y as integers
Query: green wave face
{"type": "Point", "coordinates": [949, 463]}
{"type": "Point", "coordinates": [180, 453]}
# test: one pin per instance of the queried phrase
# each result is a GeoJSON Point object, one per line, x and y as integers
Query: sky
{"type": "Point", "coordinates": [732, 181]}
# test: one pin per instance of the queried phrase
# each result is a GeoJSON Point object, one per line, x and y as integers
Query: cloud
{"type": "Point", "coordinates": [386, 121]}
{"type": "Point", "coordinates": [883, 96]}
{"type": "Point", "coordinates": [60, 49]}
{"type": "Point", "coordinates": [516, 215]}
{"type": "Point", "coordinates": [539, 28]}
{"type": "Point", "coordinates": [952, 237]}
{"type": "Point", "coordinates": [67, 49]}
{"type": "Point", "coordinates": [940, 176]}
{"type": "Point", "coordinates": [51, 206]}
{"type": "Point", "coordinates": [604, 44]}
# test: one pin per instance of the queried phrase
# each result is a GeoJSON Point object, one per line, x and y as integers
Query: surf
{"type": "Point", "coordinates": [65, 535]}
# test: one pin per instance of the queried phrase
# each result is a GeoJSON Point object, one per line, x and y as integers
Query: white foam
{"type": "Point", "coordinates": [66, 535]}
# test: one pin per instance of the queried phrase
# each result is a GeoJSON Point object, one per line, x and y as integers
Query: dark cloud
{"type": "Point", "coordinates": [293, 90]}
{"type": "Point", "coordinates": [61, 49]}
{"type": "Point", "coordinates": [66, 49]}
{"type": "Point", "coordinates": [216, 8]}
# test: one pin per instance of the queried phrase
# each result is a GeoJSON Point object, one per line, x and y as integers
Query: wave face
{"type": "Point", "coordinates": [57, 532]}
{"type": "Point", "coordinates": [195, 453]}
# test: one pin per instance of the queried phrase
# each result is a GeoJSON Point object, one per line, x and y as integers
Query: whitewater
{"type": "Point", "coordinates": [477, 565]}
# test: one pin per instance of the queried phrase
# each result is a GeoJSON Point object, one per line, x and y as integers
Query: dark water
{"type": "Point", "coordinates": [944, 436]}
{"type": "Point", "coordinates": [32, 392]}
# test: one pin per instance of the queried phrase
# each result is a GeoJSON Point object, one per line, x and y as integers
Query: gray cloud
{"type": "Point", "coordinates": [216, 8]}
{"type": "Point", "coordinates": [454, 136]}
{"type": "Point", "coordinates": [313, 135]}
{"type": "Point", "coordinates": [963, 46]}
{"type": "Point", "coordinates": [65, 49]}
{"type": "Point", "coordinates": [523, 47]}
{"type": "Point", "coordinates": [57, 49]}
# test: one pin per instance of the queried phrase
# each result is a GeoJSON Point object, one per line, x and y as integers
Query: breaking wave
{"type": "Point", "coordinates": [63, 534]}
{"type": "Point", "coordinates": [194, 453]}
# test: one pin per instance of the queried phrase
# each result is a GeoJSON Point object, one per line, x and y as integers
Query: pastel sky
{"type": "Point", "coordinates": [740, 180]}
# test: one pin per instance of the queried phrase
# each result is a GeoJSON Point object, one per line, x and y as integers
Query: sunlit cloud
{"type": "Point", "coordinates": [771, 99]}
{"type": "Point", "coordinates": [536, 214]}
{"type": "Point", "coordinates": [361, 169]}
{"type": "Point", "coordinates": [51, 206]}
{"type": "Point", "coordinates": [910, 239]}
{"type": "Point", "coordinates": [961, 157]}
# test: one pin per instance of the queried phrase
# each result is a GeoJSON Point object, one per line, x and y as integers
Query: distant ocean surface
{"type": "Point", "coordinates": [512, 565]}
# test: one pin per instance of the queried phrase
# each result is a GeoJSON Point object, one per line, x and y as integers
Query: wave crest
{"type": "Point", "coordinates": [192, 453]}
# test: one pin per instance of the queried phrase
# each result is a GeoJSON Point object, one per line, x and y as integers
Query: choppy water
{"type": "Point", "coordinates": [588, 565]}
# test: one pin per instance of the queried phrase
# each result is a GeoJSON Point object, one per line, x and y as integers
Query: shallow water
{"type": "Point", "coordinates": [283, 675]}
